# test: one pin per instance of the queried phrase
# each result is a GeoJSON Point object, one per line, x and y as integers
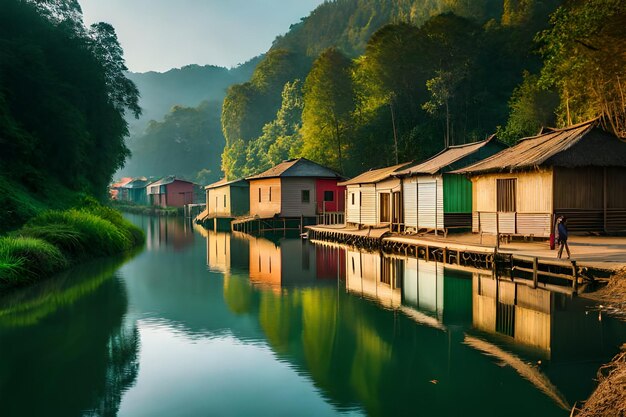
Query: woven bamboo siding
{"type": "Point", "coordinates": [409, 190]}
{"type": "Point", "coordinates": [369, 210]}
{"type": "Point", "coordinates": [265, 208]}
{"type": "Point", "coordinates": [353, 204]}
{"type": "Point", "coordinates": [291, 195]}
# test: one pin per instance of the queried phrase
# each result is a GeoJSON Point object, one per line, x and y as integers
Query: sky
{"type": "Point", "coordinates": [158, 35]}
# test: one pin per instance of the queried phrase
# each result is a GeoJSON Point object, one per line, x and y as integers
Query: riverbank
{"type": "Point", "coordinates": [609, 398]}
{"type": "Point", "coordinates": [56, 240]}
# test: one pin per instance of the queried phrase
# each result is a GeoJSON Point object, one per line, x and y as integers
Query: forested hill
{"type": "Point", "coordinates": [187, 86]}
{"type": "Point", "coordinates": [349, 24]}
{"type": "Point", "coordinates": [366, 83]}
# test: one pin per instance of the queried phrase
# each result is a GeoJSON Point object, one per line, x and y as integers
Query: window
{"type": "Point", "coordinates": [329, 196]}
{"type": "Point", "coordinates": [352, 194]}
{"type": "Point", "coordinates": [306, 196]}
{"type": "Point", "coordinates": [506, 193]}
{"type": "Point", "coordinates": [385, 200]}
{"type": "Point", "coordinates": [270, 193]}
{"type": "Point", "coordinates": [224, 200]}
{"type": "Point", "coordinates": [259, 194]}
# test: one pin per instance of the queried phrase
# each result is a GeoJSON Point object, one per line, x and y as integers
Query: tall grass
{"type": "Point", "coordinates": [24, 259]}
{"type": "Point", "coordinates": [52, 240]}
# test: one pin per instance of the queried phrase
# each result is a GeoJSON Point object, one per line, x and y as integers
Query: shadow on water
{"type": "Point", "coordinates": [66, 349]}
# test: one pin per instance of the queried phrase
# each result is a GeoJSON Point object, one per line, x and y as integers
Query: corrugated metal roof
{"type": "Point", "coordinates": [121, 182]}
{"type": "Point", "coordinates": [446, 158]}
{"type": "Point", "coordinates": [551, 149]}
{"type": "Point", "coordinates": [375, 175]}
{"type": "Point", "coordinates": [168, 180]}
{"type": "Point", "coordinates": [300, 167]}
{"type": "Point", "coordinates": [140, 182]}
{"type": "Point", "coordinates": [224, 181]}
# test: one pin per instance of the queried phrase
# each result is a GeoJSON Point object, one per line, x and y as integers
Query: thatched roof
{"type": "Point", "coordinates": [445, 160]}
{"type": "Point", "coordinates": [375, 175]}
{"type": "Point", "coordinates": [241, 182]}
{"type": "Point", "coordinates": [300, 167]}
{"type": "Point", "coordinates": [584, 144]}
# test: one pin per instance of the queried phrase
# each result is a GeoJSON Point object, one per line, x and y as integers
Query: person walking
{"type": "Point", "coordinates": [562, 236]}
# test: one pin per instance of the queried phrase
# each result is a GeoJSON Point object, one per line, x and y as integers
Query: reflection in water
{"type": "Point", "coordinates": [229, 324]}
{"type": "Point", "coordinates": [65, 347]}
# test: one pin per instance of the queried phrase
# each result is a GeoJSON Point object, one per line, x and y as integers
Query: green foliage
{"type": "Point", "coordinates": [249, 106]}
{"type": "Point", "coordinates": [531, 108]}
{"type": "Point", "coordinates": [62, 126]}
{"type": "Point", "coordinates": [584, 61]}
{"type": "Point", "coordinates": [280, 139]}
{"type": "Point", "coordinates": [23, 259]}
{"type": "Point", "coordinates": [328, 105]}
{"type": "Point", "coordinates": [188, 140]}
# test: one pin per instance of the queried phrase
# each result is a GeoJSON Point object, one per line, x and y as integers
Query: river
{"type": "Point", "coordinates": [201, 323]}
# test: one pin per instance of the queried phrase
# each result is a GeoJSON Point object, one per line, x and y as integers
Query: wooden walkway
{"type": "Point", "coordinates": [536, 268]}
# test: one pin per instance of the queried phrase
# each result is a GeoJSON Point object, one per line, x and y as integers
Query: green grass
{"type": "Point", "coordinates": [24, 259]}
{"type": "Point", "coordinates": [55, 239]}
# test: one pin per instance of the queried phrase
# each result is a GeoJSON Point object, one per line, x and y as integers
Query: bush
{"type": "Point", "coordinates": [24, 259]}
{"type": "Point", "coordinates": [98, 236]}
{"type": "Point", "coordinates": [134, 233]}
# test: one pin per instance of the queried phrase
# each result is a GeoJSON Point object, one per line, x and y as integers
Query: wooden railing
{"type": "Point", "coordinates": [329, 218]}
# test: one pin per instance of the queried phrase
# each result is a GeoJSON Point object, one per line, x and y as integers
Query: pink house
{"type": "Point", "coordinates": [170, 192]}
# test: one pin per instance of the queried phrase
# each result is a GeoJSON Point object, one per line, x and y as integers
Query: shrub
{"type": "Point", "coordinates": [100, 236]}
{"type": "Point", "coordinates": [23, 259]}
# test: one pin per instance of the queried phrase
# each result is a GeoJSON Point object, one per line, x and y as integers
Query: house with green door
{"type": "Point", "coordinates": [435, 199]}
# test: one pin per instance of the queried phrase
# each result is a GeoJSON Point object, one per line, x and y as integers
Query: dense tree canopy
{"type": "Point", "coordinates": [63, 95]}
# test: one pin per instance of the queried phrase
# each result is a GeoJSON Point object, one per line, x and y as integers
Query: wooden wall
{"type": "Point", "coordinates": [265, 208]}
{"type": "Point", "coordinates": [353, 210]}
{"type": "Point", "coordinates": [534, 191]}
{"type": "Point", "coordinates": [578, 188]}
{"type": "Point", "coordinates": [291, 197]}
{"type": "Point", "coordinates": [215, 201]}
{"type": "Point", "coordinates": [423, 202]}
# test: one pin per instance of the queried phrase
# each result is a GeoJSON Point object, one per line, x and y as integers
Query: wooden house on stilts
{"type": "Point", "coordinates": [295, 188]}
{"type": "Point", "coordinates": [434, 198]}
{"type": "Point", "coordinates": [374, 198]}
{"type": "Point", "coordinates": [578, 171]}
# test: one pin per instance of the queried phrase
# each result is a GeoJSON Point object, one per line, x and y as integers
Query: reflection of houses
{"type": "Point", "coordinates": [291, 262]}
{"type": "Point", "coordinates": [372, 276]}
{"type": "Point", "coordinates": [170, 192]}
{"type": "Point", "coordinates": [168, 232]}
{"type": "Point", "coordinates": [514, 310]}
{"type": "Point", "coordinates": [435, 199]}
{"type": "Point", "coordinates": [579, 171]}
{"type": "Point", "coordinates": [226, 251]}
{"type": "Point", "coordinates": [374, 198]}
{"type": "Point", "coordinates": [422, 286]}
{"type": "Point", "coordinates": [294, 188]}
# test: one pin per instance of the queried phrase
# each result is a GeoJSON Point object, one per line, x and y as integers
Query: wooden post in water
{"type": "Point", "coordinates": [301, 223]}
{"type": "Point", "coordinates": [575, 276]}
{"type": "Point", "coordinates": [535, 272]}
{"type": "Point", "coordinates": [497, 231]}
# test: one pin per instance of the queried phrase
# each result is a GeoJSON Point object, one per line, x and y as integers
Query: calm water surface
{"type": "Point", "coordinates": [202, 323]}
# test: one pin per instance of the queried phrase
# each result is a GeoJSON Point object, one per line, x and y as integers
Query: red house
{"type": "Point", "coordinates": [330, 196]}
{"type": "Point", "coordinates": [170, 192]}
